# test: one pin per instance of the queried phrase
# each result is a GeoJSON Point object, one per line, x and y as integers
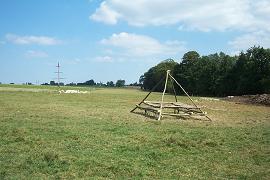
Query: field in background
{"type": "Point", "coordinates": [45, 134]}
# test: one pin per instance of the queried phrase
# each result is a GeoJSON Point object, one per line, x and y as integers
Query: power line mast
{"type": "Point", "coordinates": [58, 74]}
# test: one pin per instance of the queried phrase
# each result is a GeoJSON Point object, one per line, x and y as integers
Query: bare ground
{"type": "Point", "coordinates": [258, 99]}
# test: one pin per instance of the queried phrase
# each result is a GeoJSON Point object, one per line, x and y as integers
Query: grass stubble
{"type": "Point", "coordinates": [44, 134]}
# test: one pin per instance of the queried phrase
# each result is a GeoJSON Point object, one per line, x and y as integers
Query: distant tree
{"type": "Point", "coordinates": [90, 82]}
{"type": "Point", "coordinates": [52, 83]}
{"type": "Point", "coordinates": [134, 84]}
{"type": "Point", "coordinates": [71, 84]}
{"type": "Point", "coordinates": [224, 65]}
{"type": "Point", "coordinates": [141, 80]}
{"type": "Point", "coordinates": [252, 71]}
{"type": "Point", "coordinates": [216, 74]}
{"type": "Point", "coordinates": [120, 83]}
{"type": "Point", "coordinates": [206, 75]}
{"type": "Point", "coordinates": [80, 84]}
{"type": "Point", "coordinates": [156, 74]}
{"type": "Point", "coordinates": [110, 84]}
{"type": "Point", "coordinates": [186, 71]}
{"type": "Point", "coordinates": [190, 57]}
{"type": "Point", "coordinates": [212, 74]}
{"type": "Point", "coordinates": [100, 84]}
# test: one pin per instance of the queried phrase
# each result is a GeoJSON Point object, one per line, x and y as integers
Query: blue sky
{"type": "Point", "coordinates": [119, 39]}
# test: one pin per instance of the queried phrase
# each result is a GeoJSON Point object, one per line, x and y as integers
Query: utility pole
{"type": "Point", "coordinates": [58, 74]}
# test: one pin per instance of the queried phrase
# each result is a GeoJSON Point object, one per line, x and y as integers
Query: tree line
{"type": "Point", "coordinates": [91, 82]}
{"type": "Point", "coordinates": [216, 74]}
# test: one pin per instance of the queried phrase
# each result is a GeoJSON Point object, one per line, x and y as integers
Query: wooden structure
{"type": "Point", "coordinates": [177, 109]}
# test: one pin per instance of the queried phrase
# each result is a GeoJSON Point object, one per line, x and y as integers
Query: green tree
{"type": "Point", "coordinates": [120, 83]}
{"type": "Point", "coordinates": [190, 57]}
{"type": "Point", "coordinates": [252, 71]}
{"type": "Point", "coordinates": [185, 71]}
{"type": "Point", "coordinates": [110, 84]}
{"type": "Point", "coordinates": [52, 83]}
{"type": "Point", "coordinates": [216, 74]}
{"type": "Point", "coordinates": [206, 75]}
{"type": "Point", "coordinates": [90, 82]}
{"type": "Point", "coordinates": [155, 74]}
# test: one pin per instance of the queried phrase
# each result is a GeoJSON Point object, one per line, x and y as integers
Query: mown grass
{"type": "Point", "coordinates": [50, 135]}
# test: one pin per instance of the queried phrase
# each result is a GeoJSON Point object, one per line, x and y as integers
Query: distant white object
{"type": "Point", "coordinates": [210, 99]}
{"type": "Point", "coordinates": [72, 92]}
{"type": "Point", "coordinates": [230, 96]}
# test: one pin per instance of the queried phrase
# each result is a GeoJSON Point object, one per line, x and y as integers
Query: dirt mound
{"type": "Point", "coordinates": [262, 99]}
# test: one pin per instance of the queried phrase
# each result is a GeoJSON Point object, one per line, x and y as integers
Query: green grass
{"type": "Point", "coordinates": [44, 134]}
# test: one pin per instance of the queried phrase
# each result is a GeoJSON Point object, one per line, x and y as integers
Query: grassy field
{"type": "Point", "coordinates": [44, 134]}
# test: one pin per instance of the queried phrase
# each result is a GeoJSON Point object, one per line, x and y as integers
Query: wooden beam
{"type": "Point", "coordinates": [148, 94]}
{"type": "Point", "coordinates": [173, 90]}
{"type": "Point", "coordinates": [188, 96]}
{"type": "Point", "coordinates": [162, 98]}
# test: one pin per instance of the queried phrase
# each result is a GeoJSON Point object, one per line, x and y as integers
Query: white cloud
{"type": "Point", "coordinates": [141, 45]}
{"type": "Point", "coordinates": [203, 15]}
{"type": "Point", "coordinates": [40, 40]}
{"type": "Point", "coordinates": [104, 59]}
{"type": "Point", "coordinates": [248, 40]}
{"type": "Point", "coordinates": [74, 61]}
{"type": "Point", "coordinates": [105, 14]}
{"type": "Point", "coordinates": [36, 54]}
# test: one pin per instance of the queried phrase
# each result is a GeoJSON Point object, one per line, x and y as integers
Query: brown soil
{"type": "Point", "coordinates": [258, 99]}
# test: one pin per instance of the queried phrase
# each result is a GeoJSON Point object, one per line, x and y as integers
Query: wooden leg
{"type": "Point", "coordinates": [162, 98]}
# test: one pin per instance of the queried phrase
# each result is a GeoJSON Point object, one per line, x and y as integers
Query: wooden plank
{"type": "Point", "coordinates": [184, 115]}
{"type": "Point", "coordinates": [170, 104]}
{"type": "Point", "coordinates": [152, 104]}
{"type": "Point", "coordinates": [172, 114]}
{"type": "Point", "coordinates": [185, 105]}
{"type": "Point", "coordinates": [147, 108]}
